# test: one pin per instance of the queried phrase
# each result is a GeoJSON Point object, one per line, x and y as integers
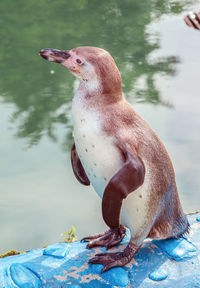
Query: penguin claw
{"type": "Point", "coordinates": [110, 260]}
{"type": "Point", "coordinates": [107, 239]}
{"type": "Point", "coordinates": [89, 238]}
{"type": "Point", "coordinates": [113, 242]}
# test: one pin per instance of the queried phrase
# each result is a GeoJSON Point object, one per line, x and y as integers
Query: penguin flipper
{"type": "Point", "coordinates": [77, 167]}
{"type": "Point", "coordinates": [128, 178]}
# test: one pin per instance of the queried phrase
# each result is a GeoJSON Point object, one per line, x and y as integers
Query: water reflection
{"type": "Point", "coordinates": [42, 91]}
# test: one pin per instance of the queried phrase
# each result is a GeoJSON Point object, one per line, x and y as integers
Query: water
{"type": "Point", "coordinates": [157, 55]}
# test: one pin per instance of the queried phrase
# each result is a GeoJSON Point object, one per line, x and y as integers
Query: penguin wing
{"type": "Point", "coordinates": [77, 167]}
{"type": "Point", "coordinates": [128, 178]}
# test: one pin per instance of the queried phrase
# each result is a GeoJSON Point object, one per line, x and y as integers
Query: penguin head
{"type": "Point", "coordinates": [90, 64]}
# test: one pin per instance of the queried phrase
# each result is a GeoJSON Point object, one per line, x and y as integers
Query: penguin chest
{"type": "Point", "coordinates": [97, 151]}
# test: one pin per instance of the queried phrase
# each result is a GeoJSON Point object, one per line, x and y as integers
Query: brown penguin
{"type": "Point", "coordinates": [193, 20]}
{"type": "Point", "coordinates": [120, 155]}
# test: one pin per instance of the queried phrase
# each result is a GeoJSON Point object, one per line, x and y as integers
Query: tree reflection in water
{"type": "Point", "coordinates": [42, 91]}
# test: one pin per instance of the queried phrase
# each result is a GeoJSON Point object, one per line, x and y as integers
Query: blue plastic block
{"type": "Point", "coordinates": [65, 265]}
{"type": "Point", "coordinates": [177, 249]}
{"type": "Point", "coordinates": [23, 277]}
{"type": "Point", "coordinates": [59, 250]}
{"type": "Point", "coordinates": [158, 275]}
{"type": "Point", "coordinates": [116, 276]}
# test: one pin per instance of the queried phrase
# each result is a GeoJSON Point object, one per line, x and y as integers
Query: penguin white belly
{"type": "Point", "coordinates": [99, 156]}
{"type": "Point", "coordinates": [101, 159]}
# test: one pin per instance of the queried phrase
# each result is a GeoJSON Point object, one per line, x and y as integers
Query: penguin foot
{"type": "Point", "coordinates": [110, 260]}
{"type": "Point", "coordinates": [107, 239]}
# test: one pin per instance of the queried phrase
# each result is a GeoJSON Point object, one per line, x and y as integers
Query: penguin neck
{"type": "Point", "coordinates": [93, 95]}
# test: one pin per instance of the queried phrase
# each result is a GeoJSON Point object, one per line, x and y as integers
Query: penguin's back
{"type": "Point", "coordinates": [154, 207]}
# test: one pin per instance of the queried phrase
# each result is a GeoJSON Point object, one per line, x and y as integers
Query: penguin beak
{"type": "Point", "coordinates": [54, 55]}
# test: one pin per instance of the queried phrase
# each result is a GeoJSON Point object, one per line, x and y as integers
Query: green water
{"type": "Point", "coordinates": [158, 56]}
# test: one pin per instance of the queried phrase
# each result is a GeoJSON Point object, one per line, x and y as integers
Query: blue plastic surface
{"type": "Point", "coordinates": [24, 277]}
{"type": "Point", "coordinates": [64, 265]}
{"type": "Point", "coordinates": [198, 219]}
{"type": "Point", "coordinates": [158, 275]}
{"type": "Point", "coordinates": [57, 250]}
{"type": "Point", "coordinates": [177, 249]}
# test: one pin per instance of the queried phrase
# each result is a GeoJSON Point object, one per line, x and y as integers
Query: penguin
{"type": "Point", "coordinates": [120, 155]}
{"type": "Point", "coordinates": [193, 20]}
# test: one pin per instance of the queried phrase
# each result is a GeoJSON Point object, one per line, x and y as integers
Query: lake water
{"type": "Point", "coordinates": [158, 56]}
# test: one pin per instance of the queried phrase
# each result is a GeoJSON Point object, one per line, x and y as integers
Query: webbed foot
{"type": "Point", "coordinates": [107, 239]}
{"type": "Point", "coordinates": [110, 260]}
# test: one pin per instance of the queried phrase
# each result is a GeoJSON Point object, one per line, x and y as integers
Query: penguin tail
{"type": "Point", "coordinates": [181, 228]}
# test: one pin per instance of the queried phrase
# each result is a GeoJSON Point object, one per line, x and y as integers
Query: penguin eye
{"type": "Point", "coordinates": [79, 61]}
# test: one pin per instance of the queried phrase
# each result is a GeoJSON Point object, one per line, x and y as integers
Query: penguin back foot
{"type": "Point", "coordinates": [108, 239]}
{"type": "Point", "coordinates": [110, 260]}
